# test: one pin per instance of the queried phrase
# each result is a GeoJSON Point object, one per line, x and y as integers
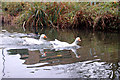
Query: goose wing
{"type": "Point", "coordinates": [31, 41]}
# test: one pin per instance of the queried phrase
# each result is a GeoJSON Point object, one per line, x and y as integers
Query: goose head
{"type": "Point", "coordinates": [77, 40]}
{"type": "Point", "coordinates": [42, 37]}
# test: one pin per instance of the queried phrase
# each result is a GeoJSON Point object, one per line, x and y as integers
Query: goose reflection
{"type": "Point", "coordinates": [75, 52]}
{"type": "Point", "coordinates": [73, 49]}
{"type": "Point", "coordinates": [42, 52]}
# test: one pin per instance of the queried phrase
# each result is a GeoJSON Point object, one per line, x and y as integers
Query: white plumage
{"type": "Point", "coordinates": [35, 41]}
{"type": "Point", "coordinates": [59, 44]}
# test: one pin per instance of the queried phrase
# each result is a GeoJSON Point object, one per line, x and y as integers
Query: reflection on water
{"type": "Point", "coordinates": [3, 62]}
{"type": "Point", "coordinates": [98, 56]}
{"type": "Point", "coordinates": [50, 56]}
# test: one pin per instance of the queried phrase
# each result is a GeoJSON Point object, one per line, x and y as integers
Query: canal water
{"type": "Point", "coordinates": [97, 57]}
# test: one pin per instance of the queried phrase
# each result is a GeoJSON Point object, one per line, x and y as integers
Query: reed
{"type": "Point", "coordinates": [82, 15]}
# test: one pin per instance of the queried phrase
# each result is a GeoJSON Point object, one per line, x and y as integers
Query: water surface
{"type": "Point", "coordinates": [98, 56]}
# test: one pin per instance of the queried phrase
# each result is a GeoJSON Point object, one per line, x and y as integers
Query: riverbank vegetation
{"type": "Point", "coordinates": [81, 15]}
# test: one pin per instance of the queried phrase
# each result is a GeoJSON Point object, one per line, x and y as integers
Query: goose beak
{"type": "Point", "coordinates": [45, 36]}
{"type": "Point", "coordinates": [79, 39]}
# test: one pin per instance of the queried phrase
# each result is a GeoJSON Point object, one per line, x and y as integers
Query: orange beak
{"type": "Point", "coordinates": [79, 39]}
{"type": "Point", "coordinates": [45, 36]}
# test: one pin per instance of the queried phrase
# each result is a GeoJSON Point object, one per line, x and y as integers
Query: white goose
{"type": "Point", "coordinates": [62, 45]}
{"type": "Point", "coordinates": [35, 41]}
{"type": "Point", "coordinates": [58, 45]}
